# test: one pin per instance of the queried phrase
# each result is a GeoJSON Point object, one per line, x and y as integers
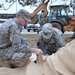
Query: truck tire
{"type": "Point", "coordinates": [28, 30]}
{"type": "Point", "coordinates": [34, 30]}
{"type": "Point", "coordinates": [59, 26]}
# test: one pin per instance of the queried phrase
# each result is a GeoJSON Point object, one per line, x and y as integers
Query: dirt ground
{"type": "Point", "coordinates": [32, 38]}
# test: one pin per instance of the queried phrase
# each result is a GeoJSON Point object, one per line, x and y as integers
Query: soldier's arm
{"type": "Point", "coordinates": [60, 40]}
{"type": "Point", "coordinates": [18, 41]}
{"type": "Point", "coordinates": [21, 43]}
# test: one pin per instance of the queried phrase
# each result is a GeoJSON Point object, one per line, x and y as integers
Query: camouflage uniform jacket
{"type": "Point", "coordinates": [13, 47]}
{"type": "Point", "coordinates": [51, 45]}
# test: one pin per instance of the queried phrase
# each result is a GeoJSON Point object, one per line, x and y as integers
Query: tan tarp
{"type": "Point", "coordinates": [60, 63]}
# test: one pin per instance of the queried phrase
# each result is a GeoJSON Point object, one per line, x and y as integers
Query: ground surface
{"type": "Point", "coordinates": [32, 39]}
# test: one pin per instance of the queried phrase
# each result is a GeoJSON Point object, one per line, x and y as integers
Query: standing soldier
{"type": "Point", "coordinates": [41, 18]}
{"type": "Point", "coordinates": [14, 49]}
{"type": "Point", "coordinates": [50, 39]}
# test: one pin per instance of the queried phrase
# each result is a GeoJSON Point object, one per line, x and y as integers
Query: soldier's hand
{"type": "Point", "coordinates": [37, 51]}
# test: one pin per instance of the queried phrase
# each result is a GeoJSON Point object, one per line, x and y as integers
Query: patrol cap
{"type": "Point", "coordinates": [46, 31]}
{"type": "Point", "coordinates": [25, 14]}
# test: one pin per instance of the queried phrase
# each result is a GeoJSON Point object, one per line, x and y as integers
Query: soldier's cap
{"type": "Point", "coordinates": [25, 14]}
{"type": "Point", "coordinates": [46, 31]}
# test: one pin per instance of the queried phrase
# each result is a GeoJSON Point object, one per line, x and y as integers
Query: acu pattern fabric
{"type": "Point", "coordinates": [13, 47]}
{"type": "Point", "coordinates": [51, 45]}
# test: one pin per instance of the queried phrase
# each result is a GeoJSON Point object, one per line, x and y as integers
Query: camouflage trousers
{"type": "Point", "coordinates": [13, 57]}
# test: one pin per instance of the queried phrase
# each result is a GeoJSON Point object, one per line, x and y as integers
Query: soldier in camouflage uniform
{"type": "Point", "coordinates": [14, 49]}
{"type": "Point", "coordinates": [50, 39]}
{"type": "Point", "coordinates": [41, 18]}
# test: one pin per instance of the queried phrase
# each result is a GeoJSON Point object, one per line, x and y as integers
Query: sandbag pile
{"type": "Point", "coordinates": [60, 63]}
